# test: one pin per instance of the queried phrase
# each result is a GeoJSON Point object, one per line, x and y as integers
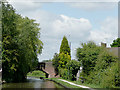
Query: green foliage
{"type": "Point", "coordinates": [87, 55]}
{"type": "Point", "coordinates": [21, 44]}
{"type": "Point", "coordinates": [104, 60]}
{"type": "Point", "coordinates": [70, 70]}
{"type": "Point", "coordinates": [60, 60]}
{"type": "Point", "coordinates": [106, 71]}
{"type": "Point", "coordinates": [10, 53]}
{"type": "Point", "coordinates": [36, 73]}
{"type": "Point", "coordinates": [100, 67]}
{"type": "Point", "coordinates": [64, 73]}
{"type": "Point", "coordinates": [64, 59]}
{"type": "Point", "coordinates": [110, 77]}
{"type": "Point", "coordinates": [116, 43]}
{"type": "Point", "coordinates": [64, 48]}
{"type": "Point", "coordinates": [55, 61]}
{"type": "Point", "coordinates": [73, 66]}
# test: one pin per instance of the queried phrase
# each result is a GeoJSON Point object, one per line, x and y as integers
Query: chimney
{"type": "Point", "coordinates": [103, 44]}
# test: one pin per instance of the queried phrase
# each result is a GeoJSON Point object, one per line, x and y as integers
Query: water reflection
{"type": "Point", "coordinates": [33, 83]}
{"type": "Point", "coordinates": [50, 84]}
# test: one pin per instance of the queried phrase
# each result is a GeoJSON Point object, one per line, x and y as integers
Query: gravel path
{"type": "Point", "coordinates": [76, 84]}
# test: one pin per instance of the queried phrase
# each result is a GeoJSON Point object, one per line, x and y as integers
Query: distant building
{"type": "Point", "coordinates": [114, 50]}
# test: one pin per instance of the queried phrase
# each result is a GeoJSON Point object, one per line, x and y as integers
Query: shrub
{"type": "Point", "coordinates": [73, 66]}
{"type": "Point", "coordinates": [105, 71]}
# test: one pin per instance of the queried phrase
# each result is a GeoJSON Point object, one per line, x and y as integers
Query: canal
{"type": "Point", "coordinates": [33, 82]}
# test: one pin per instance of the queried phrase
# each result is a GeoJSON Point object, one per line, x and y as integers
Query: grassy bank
{"type": "Point", "coordinates": [76, 82]}
{"type": "Point", "coordinates": [72, 86]}
{"type": "Point", "coordinates": [88, 85]}
{"type": "Point", "coordinates": [62, 83]}
{"type": "Point", "coordinates": [36, 73]}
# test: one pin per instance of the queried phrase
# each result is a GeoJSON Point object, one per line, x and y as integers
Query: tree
{"type": "Point", "coordinates": [64, 59]}
{"type": "Point", "coordinates": [100, 67]}
{"type": "Point", "coordinates": [20, 44]}
{"type": "Point", "coordinates": [116, 43]}
{"type": "Point", "coordinates": [9, 47]}
{"type": "Point", "coordinates": [87, 55]}
{"type": "Point", "coordinates": [65, 48]}
{"type": "Point", "coordinates": [60, 60]}
{"type": "Point", "coordinates": [55, 61]}
{"type": "Point", "coordinates": [106, 71]}
{"type": "Point", "coordinates": [104, 60]}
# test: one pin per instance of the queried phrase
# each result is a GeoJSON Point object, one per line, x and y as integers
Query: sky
{"type": "Point", "coordinates": [80, 21]}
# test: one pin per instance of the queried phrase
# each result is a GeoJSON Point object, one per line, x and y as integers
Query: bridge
{"type": "Point", "coordinates": [47, 68]}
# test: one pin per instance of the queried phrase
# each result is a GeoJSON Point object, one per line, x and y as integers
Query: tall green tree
{"type": "Point", "coordinates": [65, 48]}
{"type": "Point", "coordinates": [20, 44]}
{"type": "Point", "coordinates": [9, 47]}
{"type": "Point", "coordinates": [116, 43]}
{"type": "Point", "coordinates": [64, 59]}
{"type": "Point", "coordinates": [60, 60]}
{"type": "Point", "coordinates": [87, 55]}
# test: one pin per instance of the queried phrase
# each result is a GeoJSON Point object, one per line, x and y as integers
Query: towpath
{"type": "Point", "coordinates": [76, 84]}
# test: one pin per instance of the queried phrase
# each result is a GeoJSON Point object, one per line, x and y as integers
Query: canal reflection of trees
{"type": "Point", "coordinates": [33, 83]}
{"type": "Point", "coordinates": [50, 84]}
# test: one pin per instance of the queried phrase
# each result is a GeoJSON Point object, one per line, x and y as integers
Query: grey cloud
{"type": "Point", "coordinates": [54, 27]}
{"type": "Point", "coordinates": [25, 5]}
{"type": "Point", "coordinates": [92, 6]}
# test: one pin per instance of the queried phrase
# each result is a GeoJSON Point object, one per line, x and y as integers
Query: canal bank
{"type": "Point", "coordinates": [70, 84]}
{"type": "Point", "coordinates": [58, 83]}
{"type": "Point", "coordinates": [64, 84]}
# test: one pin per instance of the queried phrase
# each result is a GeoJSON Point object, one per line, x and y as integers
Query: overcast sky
{"type": "Point", "coordinates": [79, 21]}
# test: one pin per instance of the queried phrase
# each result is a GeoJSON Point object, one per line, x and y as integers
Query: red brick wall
{"type": "Point", "coordinates": [49, 69]}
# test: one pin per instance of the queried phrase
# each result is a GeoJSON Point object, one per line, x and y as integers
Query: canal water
{"type": "Point", "coordinates": [33, 82]}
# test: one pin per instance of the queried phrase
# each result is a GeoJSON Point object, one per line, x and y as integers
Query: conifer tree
{"type": "Point", "coordinates": [65, 48]}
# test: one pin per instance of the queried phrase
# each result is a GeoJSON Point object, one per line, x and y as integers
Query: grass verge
{"type": "Point", "coordinates": [72, 86]}
{"type": "Point", "coordinates": [67, 85]}
{"type": "Point", "coordinates": [77, 82]}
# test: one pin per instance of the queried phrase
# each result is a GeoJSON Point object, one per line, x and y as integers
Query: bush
{"type": "Point", "coordinates": [73, 66]}
{"type": "Point", "coordinates": [110, 77]}
{"type": "Point", "coordinates": [36, 73]}
{"type": "Point", "coordinates": [105, 71]}
{"type": "Point", "coordinates": [64, 73]}
{"type": "Point", "coordinates": [87, 55]}
{"type": "Point", "coordinates": [100, 67]}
